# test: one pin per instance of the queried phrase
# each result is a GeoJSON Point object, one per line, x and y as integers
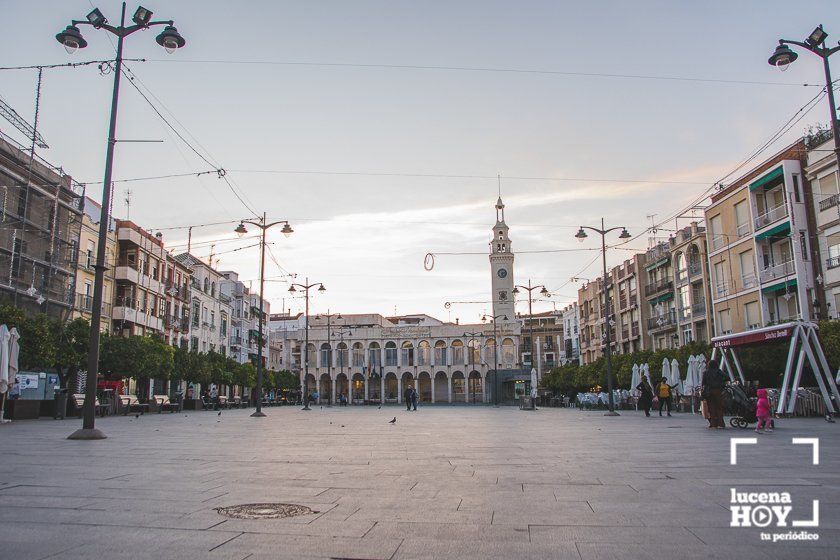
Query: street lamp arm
{"type": "Point", "coordinates": [823, 52]}
{"type": "Point", "coordinates": [602, 231]}
{"type": "Point", "coordinates": [266, 226]}
{"type": "Point", "coordinates": [122, 31]}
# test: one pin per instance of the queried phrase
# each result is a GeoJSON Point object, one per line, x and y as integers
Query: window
{"type": "Point", "coordinates": [721, 287]}
{"type": "Point", "coordinates": [803, 245]}
{"type": "Point", "coordinates": [457, 352]}
{"type": "Point", "coordinates": [342, 355]}
{"type": "Point", "coordinates": [223, 324]}
{"type": "Point", "coordinates": [715, 232]}
{"type": "Point", "coordinates": [742, 219]}
{"type": "Point", "coordinates": [747, 263]}
{"type": "Point", "coordinates": [508, 351]}
{"type": "Point", "coordinates": [724, 324]}
{"type": "Point", "coordinates": [424, 353]}
{"type": "Point", "coordinates": [407, 354]}
{"type": "Point", "coordinates": [89, 254]}
{"type": "Point", "coordinates": [374, 355]}
{"type": "Point", "coordinates": [358, 355]}
{"type": "Point", "coordinates": [390, 354]}
{"type": "Point", "coordinates": [797, 196]}
{"type": "Point", "coordinates": [326, 355]}
{"type": "Point", "coordinates": [752, 317]}
{"type": "Point", "coordinates": [206, 285]}
{"type": "Point", "coordinates": [212, 318]}
{"type": "Point", "coordinates": [196, 314]}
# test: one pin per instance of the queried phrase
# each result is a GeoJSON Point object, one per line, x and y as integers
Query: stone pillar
{"type": "Point", "coordinates": [382, 389]}
{"type": "Point", "coordinates": [333, 384]}
{"type": "Point", "coordinates": [449, 388]}
{"type": "Point", "coordinates": [317, 388]}
{"type": "Point", "coordinates": [433, 389]}
{"type": "Point", "coordinates": [399, 389]}
{"type": "Point", "coordinates": [484, 388]}
{"type": "Point", "coordinates": [367, 391]}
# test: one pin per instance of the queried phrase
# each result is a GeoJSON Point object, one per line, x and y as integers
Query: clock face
{"type": "Point", "coordinates": [502, 273]}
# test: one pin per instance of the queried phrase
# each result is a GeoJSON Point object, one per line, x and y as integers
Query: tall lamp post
{"type": "Point", "coordinates": [329, 317]}
{"type": "Point", "coordinates": [306, 287]}
{"type": "Point", "coordinates": [783, 56]}
{"type": "Point", "coordinates": [581, 236]}
{"type": "Point", "coordinates": [240, 231]}
{"type": "Point", "coordinates": [495, 355]}
{"type": "Point", "coordinates": [72, 40]}
{"type": "Point", "coordinates": [543, 292]}
{"type": "Point", "coordinates": [472, 336]}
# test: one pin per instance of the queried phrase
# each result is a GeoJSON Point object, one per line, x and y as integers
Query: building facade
{"type": "Point", "coordinates": [570, 351]}
{"type": "Point", "coordinates": [210, 309]}
{"type": "Point", "coordinates": [244, 321]}
{"type": "Point", "coordinates": [178, 286]}
{"type": "Point", "coordinates": [760, 253]}
{"type": "Point", "coordinates": [824, 177]}
{"type": "Point", "coordinates": [39, 232]}
{"type": "Point", "coordinates": [85, 271]}
{"type": "Point", "coordinates": [545, 332]}
{"type": "Point", "coordinates": [691, 284]}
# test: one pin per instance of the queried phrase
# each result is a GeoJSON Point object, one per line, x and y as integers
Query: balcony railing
{"type": "Point", "coordinates": [694, 269]}
{"type": "Point", "coordinates": [778, 271]}
{"type": "Point", "coordinates": [742, 230]}
{"type": "Point", "coordinates": [84, 302]}
{"type": "Point", "coordinates": [663, 321]}
{"type": "Point", "coordinates": [773, 215]}
{"type": "Point", "coordinates": [661, 286]}
{"type": "Point", "coordinates": [718, 241]}
{"type": "Point", "coordinates": [749, 281]}
{"type": "Point", "coordinates": [829, 202]}
{"type": "Point", "coordinates": [832, 262]}
{"type": "Point", "coordinates": [634, 331]}
{"type": "Point", "coordinates": [699, 307]}
{"type": "Point", "coordinates": [721, 288]}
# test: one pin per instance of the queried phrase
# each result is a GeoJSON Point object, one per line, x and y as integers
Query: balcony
{"type": "Point", "coordinates": [185, 324]}
{"type": "Point", "coordinates": [664, 321]}
{"type": "Point", "coordinates": [749, 281]}
{"type": "Point", "coordinates": [695, 269]}
{"type": "Point", "coordinates": [634, 331]}
{"type": "Point", "coordinates": [236, 341]}
{"type": "Point", "coordinates": [773, 215]}
{"type": "Point", "coordinates": [778, 271]}
{"type": "Point", "coordinates": [718, 241]}
{"type": "Point", "coordinates": [829, 202]}
{"type": "Point", "coordinates": [699, 308]}
{"type": "Point", "coordinates": [661, 286]}
{"type": "Point", "coordinates": [721, 288]}
{"type": "Point", "coordinates": [832, 262]}
{"type": "Point", "coordinates": [84, 302]}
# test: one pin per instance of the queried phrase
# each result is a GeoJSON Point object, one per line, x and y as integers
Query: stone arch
{"type": "Point", "coordinates": [475, 388]}
{"type": "Point", "coordinates": [325, 387]}
{"type": "Point", "coordinates": [357, 388]}
{"type": "Point", "coordinates": [342, 386]}
{"type": "Point", "coordinates": [391, 387]}
{"type": "Point", "coordinates": [459, 387]}
{"type": "Point", "coordinates": [457, 353]}
{"type": "Point", "coordinates": [441, 388]}
{"type": "Point", "coordinates": [424, 387]}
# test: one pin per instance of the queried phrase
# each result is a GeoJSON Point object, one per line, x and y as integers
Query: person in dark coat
{"type": "Point", "coordinates": [646, 397]}
{"type": "Point", "coordinates": [407, 398]}
{"type": "Point", "coordinates": [413, 398]}
{"type": "Point", "coordinates": [714, 380]}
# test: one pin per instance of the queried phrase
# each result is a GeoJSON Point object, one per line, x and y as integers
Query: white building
{"type": "Point", "coordinates": [570, 352]}
{"type": "Point", "coordinates": [210, 309]}
{"type": "Point", "coordinates": [822, 172]}
{"type": "Point", "coordinates": [244, 320]}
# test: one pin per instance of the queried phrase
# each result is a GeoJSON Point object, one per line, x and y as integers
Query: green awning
{"type": "Point", "coordinates": [777, 231]}
{"type": "Point", "coordinates": [658, 263]}
{"type": "Point", "coordinates": [663, 297]}
{"type": "Point", "coordinates": [768, 179]}
{"type": "Point", "coordinates": [781, 286]}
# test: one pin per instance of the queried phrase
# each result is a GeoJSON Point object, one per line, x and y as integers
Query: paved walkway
{"type": "Point", "coordinates": [443, 482]}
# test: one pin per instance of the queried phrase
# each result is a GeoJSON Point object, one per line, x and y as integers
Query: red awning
{"type": "Point", "coordinates": [757, 336]}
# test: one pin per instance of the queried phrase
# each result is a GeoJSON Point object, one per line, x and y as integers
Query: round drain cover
{"type": "Point", "coordinates": [264, 511]}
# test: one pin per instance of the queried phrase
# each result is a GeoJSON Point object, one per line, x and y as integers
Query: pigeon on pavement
{"type": "Point", "coordinates": [394, 421]}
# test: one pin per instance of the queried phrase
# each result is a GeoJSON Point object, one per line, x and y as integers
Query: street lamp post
{"type": "Point", "coordinates": [472, 336]}
{"type": "Point", "coordinates": [495, 356]}
{"type": "Point", "coordinates": [783, 56]}
{"type": "Point", "coordinates": [305, 287]}
{"type": "Point", "coordinates": [72, 40]}
{"type": "Point", "coordinates": [329, 317]}
{"type": "Point", "coordinates": [581, 235]}
{"type": "Point", "coordinates": [240, 231]}
{"type": "Point", "coordinates": [543, 292]}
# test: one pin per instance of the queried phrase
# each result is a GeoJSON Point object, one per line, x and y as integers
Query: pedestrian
{"type": "Point", "coordinates": [313, 398]}
{"type": "Point", "coordinates": [407, 398]}
{"type": "Point", "coordinates": [414, 399]}
{"type": "Point", "coordinates": [713, 383]}
{"type": "Point", "coordinates": [762, 412]}
{"type": "Point", "coordinates": [646, 396]}
{"type": "Point", "coordinates": [663, 391]}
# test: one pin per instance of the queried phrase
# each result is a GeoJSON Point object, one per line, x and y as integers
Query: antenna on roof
{"type": "Point", "coordinates": [127, 200]}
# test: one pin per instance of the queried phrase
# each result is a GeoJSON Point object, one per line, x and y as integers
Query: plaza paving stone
{"type": "Point", "coordinates": [443, 482]}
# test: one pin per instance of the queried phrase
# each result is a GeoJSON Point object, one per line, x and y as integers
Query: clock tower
{"type": "Point", "coordinates": [501, 266]}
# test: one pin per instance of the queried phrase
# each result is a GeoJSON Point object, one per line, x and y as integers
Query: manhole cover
{"type": "Point", "coordinates": [264, 511]}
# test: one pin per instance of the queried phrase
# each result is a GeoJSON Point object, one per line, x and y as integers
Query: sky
{"type": "Point", "coordinates": [378, 130]}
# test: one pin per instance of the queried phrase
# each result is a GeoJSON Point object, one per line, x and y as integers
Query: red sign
{"type": "Point", "coordinates": [754, 337]}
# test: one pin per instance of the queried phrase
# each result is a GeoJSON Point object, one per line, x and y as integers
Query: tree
{"type": "Point", "coordinates": [37, 345]}
{"type": "Point", "coordinates": [72, 346]}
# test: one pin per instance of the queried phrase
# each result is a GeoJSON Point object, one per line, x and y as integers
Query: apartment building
{"type": "Point", "coordinates": [542, 332]}
{"type": "Point", "coordinates": [85, 271]}
{"type": "Point", "coordinates": [824, 177]}
{"type": "Point", "coordinates": [39, 232]}
{"type": "Point", "coordinates": [627, 317]}
{"type": "Point", "coordinates": [210, 309]}
{"type": "Point", "coordinates": [661, 324]}
{"type": "Point", "coordinates": [691, 284]}
{"type": "Point", "coordinates": [760, 253]}
{"type": "Point", "coordinates": [244, 320]}
{"type": "Point", "coordinates": [178, 283]}
{"type": "Point", "coordinates": [570, 351]}
{"type": "Point", "coordinates": [139, 305]}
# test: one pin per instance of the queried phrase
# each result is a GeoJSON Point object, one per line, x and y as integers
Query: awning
{"type": "Point", "coordinates": [660, 262]}
{"type": "Point", "coordinates": [756, 336]}
{"type": "Point", "coordinates": [767, 180]}
{"type": "Point", "coordinates": [663, 297]}
{"type": "Point", "coordinates": [780, 230]}
{"type": "Point", "coordinates": [781, 286]}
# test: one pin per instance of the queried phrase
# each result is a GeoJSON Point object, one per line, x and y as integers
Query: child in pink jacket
{"type": "Point", "coordinates": [762, 412]}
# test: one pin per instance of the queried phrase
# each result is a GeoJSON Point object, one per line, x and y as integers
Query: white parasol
{"type": "Point", "coordinates": [646, 374]}
{"type": "Point", "coordinates": [14, 354]}
{"type": "Point", "coordinates": [5, 336]}
{"type": "Point", "coordinates": [689, 376]}
{"type": "Point", "coordinates": [701, 369]}
{"type": "Point", "coordinates": [635, 380]}
{"type": "Point", "coordinates": [666, 370]}
{"type": "Point", "coordinates": [675, 379]}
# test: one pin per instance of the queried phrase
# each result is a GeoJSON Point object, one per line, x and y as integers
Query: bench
{"type": "Point", "coordinates": [130, 403]}
{"type": "Point", "coordinates": [163, 402]}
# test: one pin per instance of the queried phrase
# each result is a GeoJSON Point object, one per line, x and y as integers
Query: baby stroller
{"type": "Point", "coordinates": [741, 406]}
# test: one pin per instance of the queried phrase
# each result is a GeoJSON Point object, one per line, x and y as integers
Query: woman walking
{"type": "Point", "coordinates": [714, 381]}
{"type": "Point", "coordinates": [646, 397]}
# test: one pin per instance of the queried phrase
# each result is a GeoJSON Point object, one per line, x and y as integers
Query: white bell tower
{"type": "Point", "coordinates": [501, 266]}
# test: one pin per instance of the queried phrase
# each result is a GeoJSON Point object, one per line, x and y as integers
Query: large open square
{"type": "Point", "coordinates": [445, 481]}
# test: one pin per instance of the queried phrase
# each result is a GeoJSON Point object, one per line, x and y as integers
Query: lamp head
{"type": "Point", "coordinates": [292, 290]}
{"type": "Point", "coordinates": [96, 19]}
{"type": "Point", "coordinates": [322, 289]}
{"type": "Point", "coordinates": [515, 291]}
{"type": "Point", "coordinates": [624, 234]}
{"type": "Point", "coordinates": [545, 293]}
{"type": "Point", "coordinates": [504, 318]}
{"type": "Point", "coordinates": [580, 235]}
{"type": "Point", "coordinates": [241, 229]}
{"type": "Point", "coordinates": [287, 230]}
{"type": "Point", "coordinates": [72, 39]}
{"type": "Point", "coordinates": [484, 318]}
{"type": "Point", "coordinates": [170, 39]}
{"type": "Point", "coordinates": [142, 16]}
{"type": "Point", "coordinates": [782, 57]}
{"type": "Point", "coordinates": [816, 37]}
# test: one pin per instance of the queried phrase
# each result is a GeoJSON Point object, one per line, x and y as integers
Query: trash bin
{"type": "Point", "coordinates": [60, 403]}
